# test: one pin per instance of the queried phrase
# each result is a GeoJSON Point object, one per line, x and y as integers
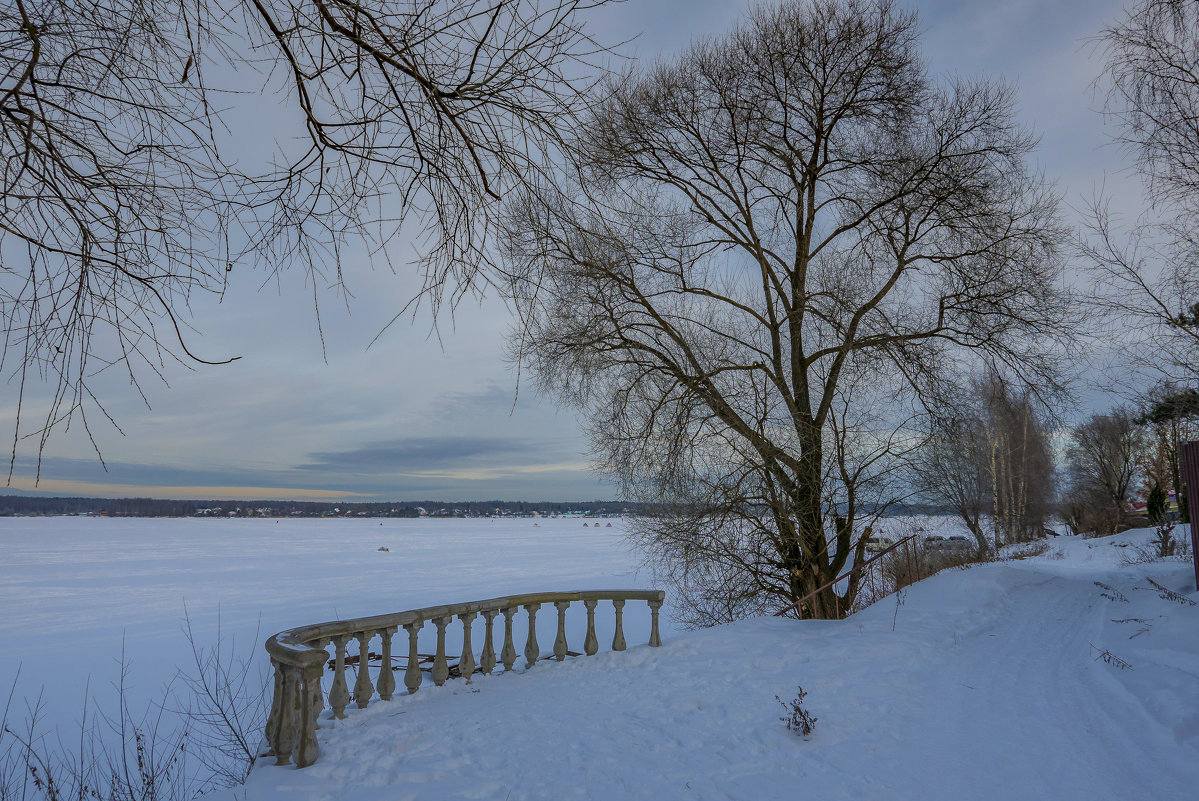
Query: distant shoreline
{"type": "Point", "coordinates": [39, 506]}
{"type": "Point", "coordinates": [35, 506]}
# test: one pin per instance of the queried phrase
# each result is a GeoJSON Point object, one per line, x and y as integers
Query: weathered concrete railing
{"type": "Point", "coordinates": [299, 657]}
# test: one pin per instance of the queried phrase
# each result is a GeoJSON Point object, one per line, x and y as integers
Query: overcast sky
{"type": "Point", "coordinates": [414, 417]}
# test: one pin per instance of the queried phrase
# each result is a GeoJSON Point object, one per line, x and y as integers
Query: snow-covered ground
{"type": "Point", "coordinates": [75, 591]}
{"type": "Point", "coordinates": [984, 683]}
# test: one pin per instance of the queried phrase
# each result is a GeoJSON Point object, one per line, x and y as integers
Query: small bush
{"type": "Point", "coordinates": [1163, 539]}
{"type": "Point", "coordinates": [1164, 545]}
{"type": "Point", "coordinates": [798, 719]}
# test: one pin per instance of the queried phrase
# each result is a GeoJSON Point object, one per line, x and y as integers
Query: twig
{"type": "Point", "coordinates": [1169, 595]}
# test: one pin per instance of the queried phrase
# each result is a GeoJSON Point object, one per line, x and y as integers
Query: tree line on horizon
{"type": "Point", "coordinates": [23, 505]}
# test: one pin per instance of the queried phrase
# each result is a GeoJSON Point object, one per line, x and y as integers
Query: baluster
{"type": "Point", "coordinates": [654, 639]}
{"type": "Point", "coordinates": [339, 695]}
{"type": "Point", "coordinates": [386, 684]}
{"type": "Point", "coordinates": [487, 658]}
{"type": "Point", "coordinates": [287, 715]}
{"type": "Point", "coordinates": [363, 689]}
{"type": "Point", "coordinates": [591, 644]}
{"type": "Point", "coordinates": [309, 697]}
{"type": "Point", "coordinates": [508, 653]}
{"type": "Point", "coordinates": [560, 641]}
{"type": "Point", "coordinates": [466, 662]}
{"type": "Point", "coordinates": [618, 638]}
{"type": "Point", "coordinates": [412, 676]}
{"type": "Point", "coordinates": [272, 721]}
{"type": "Point", "coordinates": [441, 670]}
{"type": "Point", "coordinates": [318, 701]}
{"type": "Point", "coordinates": [532, 652]}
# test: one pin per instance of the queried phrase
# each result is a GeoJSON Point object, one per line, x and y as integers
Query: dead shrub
{"type": "Point", "coordinates": [798, 720]}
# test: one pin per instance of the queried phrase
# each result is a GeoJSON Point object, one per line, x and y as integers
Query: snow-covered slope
{"type": "Point", "coordinates": [979, 684]}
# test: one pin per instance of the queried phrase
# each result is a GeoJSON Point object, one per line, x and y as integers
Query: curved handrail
{"type": "Point", "coordinates": [298, 656]}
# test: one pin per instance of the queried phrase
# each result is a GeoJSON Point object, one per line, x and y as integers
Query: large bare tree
{"type": "Point", "coordinates": [771, 250]}
{"type": "Point", "coordinates": [123, 193]}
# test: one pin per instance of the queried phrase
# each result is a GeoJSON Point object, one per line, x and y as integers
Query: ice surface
{"type": "Point", "coordinates": [74, 589]}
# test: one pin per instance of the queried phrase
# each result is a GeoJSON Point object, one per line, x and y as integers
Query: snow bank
{"type": "Point", "coordinates": [986, 683]}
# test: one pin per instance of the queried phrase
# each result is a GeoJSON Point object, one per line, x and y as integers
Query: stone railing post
{"type": "Point", "coordinates": [560, 648]}
{"type": "Point", "coordinates": [412, 675]}
{"type": "Point", "coordinates": [339, 694]}
{"type": "Point", "coordinates": [654, 639]}
{"type": "Point", "coordinates": [441, 670]}
{"type": "Point", "coordinates": [487, 658]}
{"type": "Point", "coordinates": [508, 653]}
{"type": "Point", "coordinates": [591, 644]}
{"type": "Point", "coordinates": [532, 651]}
{"type": "Point", "coordinates": [466, 662]}
{"type": "Point", "coordinates": [387, 683]}
{"type": "Point", "coordinates": [288, 707]}
{"type": "Point", "coordinates": [618, 638]}
{"type": "Point", "coordinates": [310, 706]}
{"type": "Point", "coordinates": [363, 689]}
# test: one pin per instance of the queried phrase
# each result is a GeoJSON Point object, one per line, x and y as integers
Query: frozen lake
{"type": "Point", "coordinates": [76, 591]}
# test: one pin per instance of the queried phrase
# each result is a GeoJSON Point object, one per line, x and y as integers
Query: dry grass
{"type": "Point", "coordinates": [1028, 550]}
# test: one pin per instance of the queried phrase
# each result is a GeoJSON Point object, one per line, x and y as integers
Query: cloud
{"type": "Point", "coordinates": [424, 455]}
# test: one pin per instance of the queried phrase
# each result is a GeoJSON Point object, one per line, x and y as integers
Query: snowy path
{"type": "Point", "coordinates": [986, 688]}
{"type": "Point", "coordinates": [1016, 702]}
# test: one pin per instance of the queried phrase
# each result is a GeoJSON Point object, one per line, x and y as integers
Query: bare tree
{"type": "Point", "coordinates": [1145, 273]}
{"type": "Point", "coordinates": [770, 252]}
{"type": "Point", "coordinates": [432, 108]}
{"type": "Point", "coordinates": [988, 458]}
{"type": "Point", "coordinates": [122, 202]}
{"type": "Point", "coordinates": [952, 468]}
{"type": "Point", "coordinates": [1103, 454]}
{"type": "Point", "coordinates": [1153, 90]}
{"type": "Point", "coordinates": [110, 219]}
{"type": "Point", "coordinates": [1020, 463]}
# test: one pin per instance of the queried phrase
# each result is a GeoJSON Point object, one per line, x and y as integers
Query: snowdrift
{"type": "Point", "coordinates": [1013, 680]}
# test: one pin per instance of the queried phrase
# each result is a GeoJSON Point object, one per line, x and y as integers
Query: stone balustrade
{"type": "Point", "coordinates": [299, 658]}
